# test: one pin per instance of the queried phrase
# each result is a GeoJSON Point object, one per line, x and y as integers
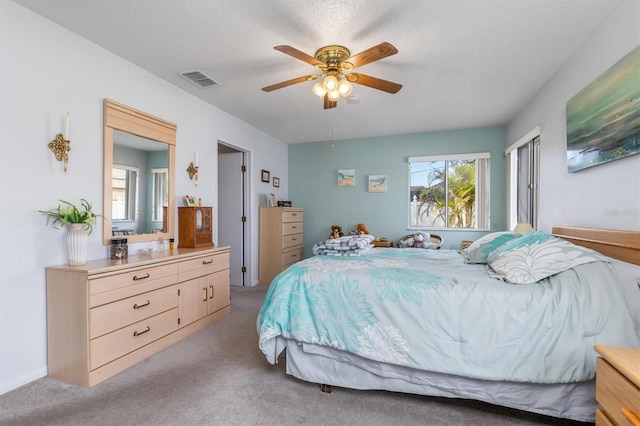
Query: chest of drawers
{"type": "Point", "coordinates": [618, 386]}
{"type": "Point", "coordinates": [281, 240]}
{"type": "Point", "coordinates": [107, 315]}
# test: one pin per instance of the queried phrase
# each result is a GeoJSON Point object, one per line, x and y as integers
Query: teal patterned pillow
{"type": "Point", "coordinates": [480, 249]}
{"type": "Point", "coordinates": [535, 256]}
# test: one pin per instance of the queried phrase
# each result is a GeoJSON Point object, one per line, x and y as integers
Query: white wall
{"type": "Point", "coordinates": [605, 196]}
{"type": "Point", "coordinates": [46, 72]}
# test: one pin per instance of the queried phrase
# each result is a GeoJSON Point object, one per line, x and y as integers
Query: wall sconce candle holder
{"type": "Point", "coordinates": [60, 148]}
{"type": "Point", "coordinates": [193, 172]}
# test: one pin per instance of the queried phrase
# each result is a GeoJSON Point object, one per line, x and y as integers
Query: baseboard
{"type": "Point", "coordinates": [23, 380]}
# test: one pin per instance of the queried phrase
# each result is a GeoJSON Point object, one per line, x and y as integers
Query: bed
{"type": "Point", "coordinates": [478, 324]}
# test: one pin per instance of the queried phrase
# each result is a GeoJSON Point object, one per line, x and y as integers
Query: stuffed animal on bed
{"type": "Point", "coordinates": [336, 232]}
{"type": "Point", "coordinates": [361, 229]}
{"type": "Point", "coordinates": [421, 240]}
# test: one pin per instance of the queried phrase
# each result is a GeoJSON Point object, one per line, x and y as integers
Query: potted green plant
{"type": "Point", "coordinates": [80, 220]}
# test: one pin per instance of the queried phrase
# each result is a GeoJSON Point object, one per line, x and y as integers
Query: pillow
{"type": "Point", "coordinates": [480, 249]}
{"type": "Point", "coordinates": [535, 256]}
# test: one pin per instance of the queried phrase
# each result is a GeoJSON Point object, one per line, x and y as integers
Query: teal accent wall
{"type": "Point", "coordinates": [313, 182]}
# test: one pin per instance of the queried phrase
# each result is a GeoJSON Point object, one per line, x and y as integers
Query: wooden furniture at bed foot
{"type": "Point", "coordinates": [281, 240]}
{"type": "Point", "coordinates": [618, 386]}
{"type": "Point", "coordinates": [107, 315]}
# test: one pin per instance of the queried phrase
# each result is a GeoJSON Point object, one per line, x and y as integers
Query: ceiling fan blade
{"type": "Point", "coordinates": [329, 104]}
{"type": "Point", "coordinates": [290, 82]}
{"type": "Point", "coordinates": [372, 54]}
{"type": "Point", "coordinates": [373, 82]}
{"type": "Point", "coordinates": [292, 51]}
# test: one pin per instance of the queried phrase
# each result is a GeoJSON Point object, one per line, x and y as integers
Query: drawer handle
{"type": "Point", "coordinates": [137, 333]}
{"type": "Point", "coordinates": [136, 306]}
{"type": "Point", "coordinates": [211, 288]}
{"type": "Point", "coordinates": [294, 255]}
{"type": "Point", "coordinates": [137, 278]}
{"type": "Point", "coordinates": [294, 214]}
{"type": "Point", "coordinates": [631, 416]}
{"type": "Point", "coordinates": [204, 292]}
{"type": "Point", "coordinates": [294, 239]}
{"type": "Point", "coordinates": [206, 262]}
{"type": "Point", "coordinates": [294, 227]}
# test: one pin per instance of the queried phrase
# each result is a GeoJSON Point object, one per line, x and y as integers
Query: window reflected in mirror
{"type": "Point", "coordinates": [124, 192]}
{"type": "Point", "coordinates": [160, 193]}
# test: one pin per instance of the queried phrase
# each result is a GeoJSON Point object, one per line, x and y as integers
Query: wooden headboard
{"type": "Point", "coordinates": [622, 245]}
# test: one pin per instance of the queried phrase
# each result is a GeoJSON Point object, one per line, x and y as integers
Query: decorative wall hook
{"type": "Point", "coordinates": [193, 172]}
{"type": "Point", "coordinates": [60, 148]}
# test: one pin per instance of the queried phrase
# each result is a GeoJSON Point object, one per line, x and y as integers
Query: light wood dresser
{"type": "Point", "coordinates": [107, 315]}
{"type": "Point", "coordinates": [618, 386]}
{"type": "Point", "coordinates": [281, 240]}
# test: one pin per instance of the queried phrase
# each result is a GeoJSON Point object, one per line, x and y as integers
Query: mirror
{"type": "Point", "coordinates": [139, 175]}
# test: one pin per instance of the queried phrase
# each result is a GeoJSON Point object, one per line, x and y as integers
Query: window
{"type": "Point", "coordinates": [124, 192]}
{"type": "Point", "coordinates": [449, 191]}
{"type": "Point", "coordinates": [160, 181]}
{"type": "Point", "coordinates": [524, 177]}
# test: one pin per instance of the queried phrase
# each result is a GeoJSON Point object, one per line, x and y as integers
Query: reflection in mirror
{"type": "Point", "coordinates": [138, 175]}
{"type": "Point", "coordinates": [140, 185]}
{"type": "Point", "coordinates": [124, 193]}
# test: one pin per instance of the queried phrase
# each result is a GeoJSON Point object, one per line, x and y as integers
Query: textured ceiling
{"type": "Point", "coordinates": [462, 63]}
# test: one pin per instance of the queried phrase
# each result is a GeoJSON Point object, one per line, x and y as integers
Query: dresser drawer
{"type": "Point", "coordinates": [130, 282]}
{"type": "Point", "coordinates": [292, 228]}
{"type": "Point", "coordinates": [112, 316]}
{"type": "Point", "coordinates": [615, 392]}
{"type": "Point", "coordinates": [288, 216]}
{"type": "Point", "coordinates": [111, 346]}
{"type": "Point", "coordinates": [602, 419]}
{"type": "Point", "coordinates": [293, 240]}
{"type": "Point", "coordinates": [291, 257]}
{"type": "Point", "coordinates": [203, 265]}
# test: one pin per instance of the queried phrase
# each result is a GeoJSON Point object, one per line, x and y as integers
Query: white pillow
{"type": "Point", "coordinates": [535, 256]}
{"type": "Point", "coordinates": [480, 249]}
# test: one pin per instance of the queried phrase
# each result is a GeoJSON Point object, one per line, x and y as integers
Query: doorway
{"type": "Point", "coordinates": [232, 209]}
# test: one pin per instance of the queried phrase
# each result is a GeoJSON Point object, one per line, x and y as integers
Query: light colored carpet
{"type": "Point", "coordinates": [219, 377]}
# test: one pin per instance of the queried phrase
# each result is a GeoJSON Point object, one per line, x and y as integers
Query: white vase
{"type": "Point", "coordinates": [77, 243]}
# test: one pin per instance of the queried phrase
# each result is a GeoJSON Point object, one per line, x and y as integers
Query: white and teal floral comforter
{"type": "Point", "coordinates": [427, 309]}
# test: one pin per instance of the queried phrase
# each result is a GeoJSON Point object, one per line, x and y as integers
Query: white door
{"type": "Point", "coordinates": [231, 227]}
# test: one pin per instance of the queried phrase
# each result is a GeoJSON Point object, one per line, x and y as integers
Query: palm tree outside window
{"type": "Point", "coordinates": [450, 192]}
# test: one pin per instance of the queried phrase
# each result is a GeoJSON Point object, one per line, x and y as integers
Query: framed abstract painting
{"type": "Point", "coordinates": [603, 119]}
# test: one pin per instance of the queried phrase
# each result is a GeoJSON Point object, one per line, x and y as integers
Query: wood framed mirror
{"type": "Point", "coordinates": [139, 175]}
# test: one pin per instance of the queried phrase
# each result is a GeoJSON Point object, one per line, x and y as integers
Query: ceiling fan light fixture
{"type": "Point", "coordinates": [345, 88]}
{"type": "Point", "coordinates": [333, 95]}
{"type": "Point", "coordinates": [330, 83]}
{"type": "Point", "coordinates": [318, 90]}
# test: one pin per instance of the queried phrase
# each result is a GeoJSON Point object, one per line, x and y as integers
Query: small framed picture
{"type": "Point", "coordinates": [266, 176]}
{"type": "Point", "coordinates": [276, 182]}
{"type": "Point", "coordinates": [377, 183]}
{"type": "Point", "coordinates": [347, 177]}
{"type": "Point", "coordinates": [272, 200]}
{"type": "Point", "coordinates": [191, 201]}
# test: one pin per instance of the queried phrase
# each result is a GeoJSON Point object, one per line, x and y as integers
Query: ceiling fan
{"type": "Point", "coordinates": [336, 64]}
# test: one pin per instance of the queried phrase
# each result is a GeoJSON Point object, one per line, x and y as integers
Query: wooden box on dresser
{"type": "Point", "coordinates": [281, 240]}
{"type": "Point", "coordinates": [618, 386]}
{"type": "Point", "coordinates": [195, 227]}
{"type": "Point", "coordinates": [106, 315]}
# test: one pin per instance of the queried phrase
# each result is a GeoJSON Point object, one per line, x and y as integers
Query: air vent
{"type": "Point", "coordinates": [199, 78]}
